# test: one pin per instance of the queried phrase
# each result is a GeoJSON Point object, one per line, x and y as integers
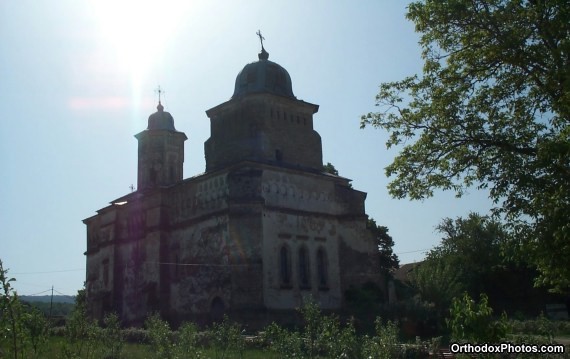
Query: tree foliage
{"type": "Point", "coordinates": [467, 259]}
{"type": "Point", "coordinates": [23, 329]}
{"type": "Point", "coordinates": [330, 168]}
{"type": "Point", "coordinates": [473, 322]}
{"type": "Point", "coordinates": [491, 110]}
{"type": "Point", "coordinates": [388, 259]}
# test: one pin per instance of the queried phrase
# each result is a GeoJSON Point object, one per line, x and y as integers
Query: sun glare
{"type": "Point", "coordinates": [138, 32]}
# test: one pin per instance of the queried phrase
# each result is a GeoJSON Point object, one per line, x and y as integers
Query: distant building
{"type": "Point", "coordinates": [261, 230]}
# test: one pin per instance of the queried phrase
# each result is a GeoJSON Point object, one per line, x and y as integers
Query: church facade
{"type": "Point", "coordinates": [261, 230]}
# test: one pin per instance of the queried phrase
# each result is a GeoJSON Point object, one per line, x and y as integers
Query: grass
{"type": "Point", "coordinates": [143, 351]}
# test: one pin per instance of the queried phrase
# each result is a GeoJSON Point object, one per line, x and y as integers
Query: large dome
{"type": "Point", "coordinates": [263, 76]}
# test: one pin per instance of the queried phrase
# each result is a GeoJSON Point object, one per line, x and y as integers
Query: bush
{"type": "Point", "coordinates": [226, 337]}
{"type": "Point", "coordinates": [540, 326]}
{"type": "Point", "coordinates": [188, 341]}
{"type": "Point", "coordinates": [287, 344]}
{"type": "Point", "coordinates": [136, 335]}
{"type": "Point", "coordinates": [322, 336]}
{"type": "Point", "coordinates": [37, 329]}
{"type": "Point", "coordinates": [111, 337]}
{"type": "Point", "coordinates": [340, 342]}
{"type": "Point", "coordinates": [160, 337]}
{"type": "Point", "coordinates": [82, 334]}
{"type": "Point", "coordinates": [384, 345]}
{"type": "Point", "coordinates": [473, 322]}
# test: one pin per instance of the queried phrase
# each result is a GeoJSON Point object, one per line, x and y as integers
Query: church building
{"type": "Point", "coordinates": [260, 231]}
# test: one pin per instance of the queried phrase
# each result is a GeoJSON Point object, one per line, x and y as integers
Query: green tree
{"type": "Point", "coordinates": [330, 168]}
{"type": "Point", "coordinates": [81, 333]}
{"type": "Point", "coordinates": [111, 336]}
{"type": "Point", "coordinates": [11, 317]}
{"type": "Point", "coordinates": [226, 338]}
{"type": "Point", "coordinates": [23, 329]}
{"type": "Point", "coordinates": [473, 247]}
{"type": "Point", "coordinates": [388, 259]}
{"type": "Point", "coordinates": [437, 282]}
{"type": "Point", "coordinates": [160, 337]}
{"type": "Point", "coordinates": [466, 260]}
{"type": "Point", "coordinates": [491, 110]}
{"type": "Point", "coordinates": [474, 323]}
{"type": "Point", "coordinates": [384, 345]}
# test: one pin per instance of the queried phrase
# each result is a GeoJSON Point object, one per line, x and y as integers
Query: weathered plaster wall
{"type": "Point", "coordinates": [296, 231]}
{"type": "Point", "coordinates": [199, 258]}
{"type": "Point", "coordinates": [213, 241]}
{"type": "Point", "coordinates": [301, 192]}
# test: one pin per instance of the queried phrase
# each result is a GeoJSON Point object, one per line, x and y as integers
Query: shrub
{"type": "Point", "coordinates": [160, 337]}
{"type": "Point", "coordinates": [226, 337]}
{"type": "Point", "coordinates": [81, 333]}
{"type": "Point", "coordinates": [23, 328]}
{"type": "Point", "coordinates": [322, 336]}
{"type": "Point", "coordinates": [287, 344]}
{"type": "Point", "coordinates": [135, 335]}
{"type": "Point", "coordinates": [342, 342]}
{"type": "Point", "coordinates": [37, 331]}
{"type": "Point", "coordinates": [473, 322]}
{"type": "Point", "coordinates": [313, 321]}
{"type": "Point", "coordinates": [188, 341]}
{"type": "Point", "coordinates": [384, 345]}
{"type": "Point", "coordinates": [111, 337]}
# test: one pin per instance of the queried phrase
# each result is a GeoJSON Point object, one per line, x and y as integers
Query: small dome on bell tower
{"type": "Point", "coordinates": [161, 120]}
{"type": "Point", "coordinates": [161, 151]}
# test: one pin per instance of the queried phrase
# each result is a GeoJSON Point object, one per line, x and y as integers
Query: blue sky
{"type": "Point", "coordinates": [77, 81]}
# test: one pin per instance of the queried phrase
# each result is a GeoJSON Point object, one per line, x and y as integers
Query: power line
{"type": "Point", "coordinates": [60, 293]}
{"type": "Point", "coordinates": [31, 295]}
{"type": "Point", "coordinates": [53, 271]}
{"type": "Point", "coordinates": [205, 264]}
{"type": "Point", "coordinates": [419, 250]}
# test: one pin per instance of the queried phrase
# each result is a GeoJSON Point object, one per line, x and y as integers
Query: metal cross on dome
{"type": "Point", "coordinates": [261, 38]}
{"type": "Point", "coordinates": [159, 91]}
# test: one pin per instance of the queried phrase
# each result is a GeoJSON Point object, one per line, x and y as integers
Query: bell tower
{"type": "Point", "coordinates": [161, 151]}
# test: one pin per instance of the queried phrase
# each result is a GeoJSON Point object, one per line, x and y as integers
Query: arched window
{"type": "Point", "coordinates": [304, 273]}
{"type": "Point", "coordinates": [322, 268]}
{"type": "Point", "coordinates": [285, 266]}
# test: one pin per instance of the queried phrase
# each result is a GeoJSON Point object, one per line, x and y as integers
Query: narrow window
{"type": "Point", "coordinates": [278, 155]}
{"type": "Point", "coordinates": [284, 266]}
{"type": "Point", "coordinates": [322, 268]}
{"type": "Point", "coordinates": [177, 268]}
{"type": "Point", "coordinates": [304, 274]}
{"type": "Point", "coordinates": [106, 272]}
